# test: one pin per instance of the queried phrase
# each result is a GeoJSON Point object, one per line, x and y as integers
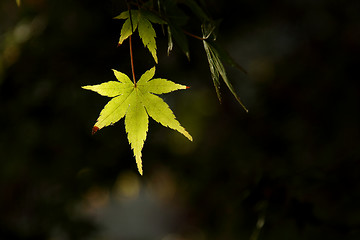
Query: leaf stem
{"type": "Point", "coordinates": [194, 36]}
{"type": "Point", "coordinates": [130, 44]}
{"type": "Point", "coordinates": [132, 60]}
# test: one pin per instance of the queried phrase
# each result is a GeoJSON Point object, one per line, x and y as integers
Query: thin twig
{"type": "Point", "coordinates": [194, 36]}
{"type": "Point", "coordinates": [132, 60]}
{"type": "Point", "coordinates": [130, 44]}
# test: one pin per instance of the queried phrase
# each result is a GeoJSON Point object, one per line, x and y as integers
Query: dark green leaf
{"type": "Point", "coordinates": [219, 67]}
{"type": "Point", "coordinates": [148, 5]}
{"type": "Point", "coordinates": [203, 3]}
{"type": "Point", "coordinates": [197, 10]}
{"type": "Point", "coordinates": [213, 69]}
{"type": "Point", "coordinates": [207, 29]}
{"type": "Point", "coordinates": [170, 41]}
{"type": "Point", "coordinates": [173, 13]}
{"type": "Point", "coordinates": [179, 37]}
{"type": "Point", "coordinates": [152, 17]}
{"type": "Point", "coordinates": [224, 55]}
{"type": "Point", "coordinates": [216, 66]}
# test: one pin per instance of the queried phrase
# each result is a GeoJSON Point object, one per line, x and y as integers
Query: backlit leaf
{"type": "Point", "coordinates": [141, 20]}
{"type": "Point", "coordinates": [147, 35]}
{"type": "Point", "coordinates": [129, 25]}
{"type": "Point", "coordinates": [136, 102]}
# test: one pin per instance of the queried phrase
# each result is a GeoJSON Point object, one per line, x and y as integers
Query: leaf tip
{"type": "Point", "coordinates": [139, 164]}
{"type": "Point", "coordinates": [187, 135]}
{"type": "Point", "coordinates": [242, 105]}
{"type": "Point", "coordinates": [187, 87]}
{"type": "Point", "coordinates": [187, 55]}
{"type": "Point", "coordinates": [94, 130]}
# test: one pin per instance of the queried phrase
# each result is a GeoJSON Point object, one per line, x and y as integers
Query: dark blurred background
{"type": "Point", "coordinates": [288, 169]}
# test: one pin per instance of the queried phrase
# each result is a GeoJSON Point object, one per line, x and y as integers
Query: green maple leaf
{"type": "Point", "coordinates": [141, 20]}
{"type": "Point", "coordinates": [136, 102]}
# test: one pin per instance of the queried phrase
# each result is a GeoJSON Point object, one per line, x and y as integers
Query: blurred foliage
{"type": "Point", "coordinates": [289, 169]}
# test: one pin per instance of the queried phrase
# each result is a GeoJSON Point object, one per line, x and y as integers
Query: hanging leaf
{"type": "Point", "coordinates": [176, 18]}
{"type": "Point", "coordinates": [170, 41]}
{"type": "Point", "coordinates": [175, 32]}
{"type": "Point", "coordinates": [141, 20]}
{"type": "Point", "coordinates": [226, 57]}
{"type": "Point", "coordinates": [173, 13]}
{"type": "Point", "coordinates": [217, 69]}
{"type": "Point", "coordinates": [197, 10]}
{"type": "Point", "coordinates": [213, 70]}
{"type": "Point", "coordinates": [136, 102]}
